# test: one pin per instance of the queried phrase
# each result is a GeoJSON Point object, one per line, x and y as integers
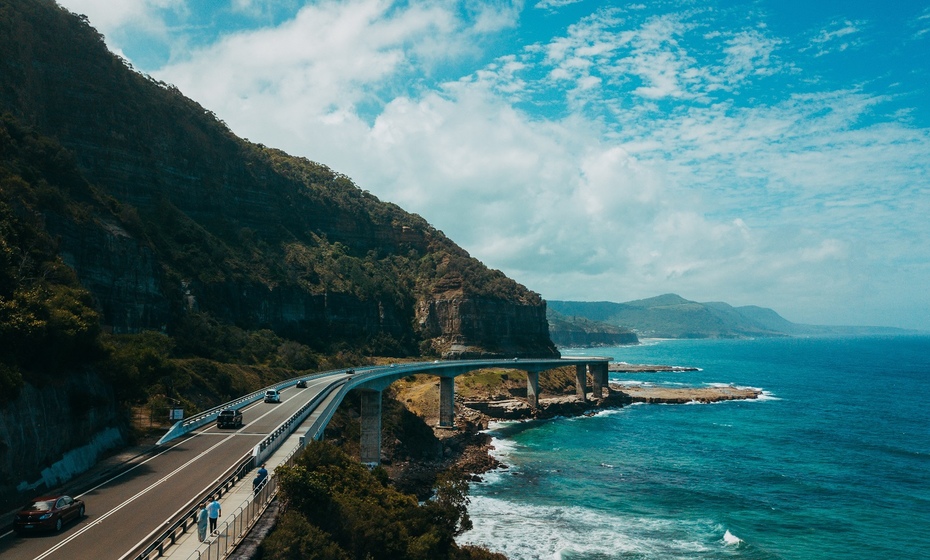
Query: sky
{"type": "Point", "coordinates": [770, 152]}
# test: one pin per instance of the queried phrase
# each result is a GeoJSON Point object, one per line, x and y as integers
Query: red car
{"type": "Point", "coordinates": [48, 513]}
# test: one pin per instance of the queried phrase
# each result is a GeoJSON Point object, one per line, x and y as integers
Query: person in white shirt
{"type": "Point", "coordinates": [214, 510]}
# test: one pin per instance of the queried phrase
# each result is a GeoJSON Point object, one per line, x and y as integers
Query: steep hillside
{"type": "Point", "coordinates": [149, 256]}
{"type": "Point", "coordinates": [186, 217]}
{"type": "Point", "coordinates": [671, 316]}
{"type": "Point", "coordinates": [581, 332]}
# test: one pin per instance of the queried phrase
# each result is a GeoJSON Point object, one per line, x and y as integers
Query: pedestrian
{"type": "Point", "coordinates": [214, 510]}
{"type": "Point", "coordinates": [260, 478]}
{"type": "Point", "coordinates": [202, 522]}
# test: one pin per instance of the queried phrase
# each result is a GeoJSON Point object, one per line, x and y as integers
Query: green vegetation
{"type": "Point", "coordinates": [47, 320]}
{"type": "Point", "coordinates": [671, 316]}
{"type": "Point", "coordinates": [336, 509]}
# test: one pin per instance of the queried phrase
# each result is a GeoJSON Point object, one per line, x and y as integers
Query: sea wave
{"type": "Point", "coordinates": [525, 532]}
{"type": "Point", "coordinates": [730, 539]}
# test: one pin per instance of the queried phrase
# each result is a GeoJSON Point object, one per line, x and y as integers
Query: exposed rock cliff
{"type": "Point", "coordinates": [581, 332]}
{"type": "Point", "coordinates": [39, 428]}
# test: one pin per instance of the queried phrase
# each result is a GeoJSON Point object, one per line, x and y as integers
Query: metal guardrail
{"type": "Point", "coordinates": [231, 531]}
{"type": "Point", "coordinates": [190, 424]}
{"type": "Point", "coordinates": [267, 446]}
{"type": "Point", "coordinates": [189, 519]}
{"type": "Point", "coordinates": [238, 524]}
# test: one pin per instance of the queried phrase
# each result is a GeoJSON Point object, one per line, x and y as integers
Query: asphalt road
{"type": "Point", "coordinates": [126, 512]}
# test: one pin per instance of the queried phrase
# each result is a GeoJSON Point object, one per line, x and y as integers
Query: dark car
{"type": "Point", "coordinates": [48, 513]}
{"type": "Point", "coordinates": [302, 384]}
{"type": "Point", "coordinates": [229, 418]}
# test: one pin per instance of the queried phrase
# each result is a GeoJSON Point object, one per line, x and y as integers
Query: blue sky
{"type": "Point", "coordinates": [771, 153]}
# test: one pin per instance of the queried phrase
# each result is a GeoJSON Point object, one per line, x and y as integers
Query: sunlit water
{"type": "Point", "coordinates": [833, 462]}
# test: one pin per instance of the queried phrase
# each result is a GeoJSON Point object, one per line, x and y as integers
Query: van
{"type": "Point", "coordinates": [229, 418]}
{"type": "Point", "coordinates": [272, 396]}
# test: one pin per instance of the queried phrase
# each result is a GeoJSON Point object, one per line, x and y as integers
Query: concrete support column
{"type": "Point", "coordinates": [599, 373]}
{"type": "Point", "coordinates": [371, 427]}
{"type": "Point", "coordinates": [598, 382]}
{"type": "Point", "coordinates": [532, 388]}
{"type": "Point", "coordinates": [581, 380]}
{"type": "Point", "coordinates": [446, 402]}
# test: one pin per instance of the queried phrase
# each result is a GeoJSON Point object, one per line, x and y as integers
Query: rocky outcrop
{"type": "Point", "coordinates": [581, 332]}
{"type": "Point", "coordinates": [550, 407]}
{"type": "Point", "coordinates": [464, 327]}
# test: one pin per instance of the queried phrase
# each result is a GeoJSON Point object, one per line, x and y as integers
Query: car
{"type": "Point", "coordinates": [272, 396]}
{"type": "Point", "coordinates": [229, 418]}
{"type": "Point", "coordinates": [48, 513]}
{"type": "Point", "coordinates": [350, 372]}
{"type": "Point", "coordinates": [302, 384]}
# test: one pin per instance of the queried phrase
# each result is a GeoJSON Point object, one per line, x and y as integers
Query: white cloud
{"type": "Point", "coordinates": [554, 5]}
{"type": "Point", "coordinates": [652, 172]}
{"type": "Point", "coordinates": [838, 37]}
{"type": "Point", "coordinates": [117, 20]}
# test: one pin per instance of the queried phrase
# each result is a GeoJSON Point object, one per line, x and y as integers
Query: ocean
{"type": "Point", "coordinates": [832, 462]}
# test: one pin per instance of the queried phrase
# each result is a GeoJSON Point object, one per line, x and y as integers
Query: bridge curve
{"type": "Point", "coordinates": [373, 380]}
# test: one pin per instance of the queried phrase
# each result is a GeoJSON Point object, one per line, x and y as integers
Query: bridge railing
{"type": "Point", "coordinates": [238, 524]}
{"type": "Point", "coordinates": [274, 440]}
{"type": "Point", "coordinates": [207, 416]}
{"type": "Point", "coordinates": [173, 533]}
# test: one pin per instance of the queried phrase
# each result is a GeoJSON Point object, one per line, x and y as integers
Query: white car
{"type": "Point", "coordinates": [272, 396]}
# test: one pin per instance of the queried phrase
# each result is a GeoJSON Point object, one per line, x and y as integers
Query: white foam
{"type": "Point", "coordinates": [524, 532]}
{"type": "Point", "coordinates": [730, 539]}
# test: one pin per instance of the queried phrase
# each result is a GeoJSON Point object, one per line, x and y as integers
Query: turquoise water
{"type": "Point", "coordinates": [833, 462]}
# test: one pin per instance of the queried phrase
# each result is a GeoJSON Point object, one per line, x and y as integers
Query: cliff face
{"type": "Point", "coordinates": [186, 217]}
{"type": "Point", "coordinates": [582, 332]}
{"type": "Point", "coordinates": [468, 328]}
{"type": "Point", "coordinates": [45, 422]}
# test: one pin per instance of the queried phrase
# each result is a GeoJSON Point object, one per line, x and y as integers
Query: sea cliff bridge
{"type": "Point", "coordinates": [371, 382]}
{"type": "Point", "coordinates": [147, 508]}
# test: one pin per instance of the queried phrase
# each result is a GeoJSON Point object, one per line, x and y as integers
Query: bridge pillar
{"type": "Point", "coordinates": [446, 402]}
{"type": "Point", "coordinates": [532, 388]}
{"type": "Point", "coordinates": [371, 427]}
{"type": "Point", "coordinates": [581, 380]}
{"type": "Point", "coordinates": [599, 374]}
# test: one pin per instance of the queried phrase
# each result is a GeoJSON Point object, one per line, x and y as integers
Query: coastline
{"type": "Point", "coordinates": [474, 458]}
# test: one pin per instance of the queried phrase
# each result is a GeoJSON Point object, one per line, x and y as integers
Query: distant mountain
{"type": "Point", "coordinates": [672, 316]}
{"type": "Point", "coordinates": [581, 332]}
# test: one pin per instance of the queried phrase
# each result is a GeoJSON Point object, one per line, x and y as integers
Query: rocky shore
{"type": "Point", "coordinates": [472, 452]}
{"type": "Point", "coordinates": [684, 395]}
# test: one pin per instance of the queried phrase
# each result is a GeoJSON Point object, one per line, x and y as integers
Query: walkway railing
{"type": "Point", "coordinates": [238, 524]}
{"type": "Point", "coordinates": [171, 535]}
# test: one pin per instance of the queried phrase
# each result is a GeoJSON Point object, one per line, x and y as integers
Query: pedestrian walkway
{"type": "Point", "coordinates": [234, 502]}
